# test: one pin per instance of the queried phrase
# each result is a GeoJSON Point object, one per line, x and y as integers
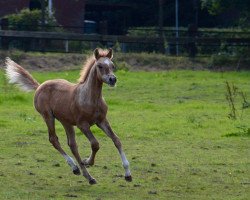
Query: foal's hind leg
{"type": "Point", "coordinates": [50, 121]}
{"type": "Point", "coordinates": [109, 132]}
{"type": "Point", "coordinates": [74, 149]}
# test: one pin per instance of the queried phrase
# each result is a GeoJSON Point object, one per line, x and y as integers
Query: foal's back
{"type": "Point", "coordinates": [55, 97]}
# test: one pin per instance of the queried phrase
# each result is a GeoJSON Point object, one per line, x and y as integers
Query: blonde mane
{"type": "Point", "coordinates": [89, 63]}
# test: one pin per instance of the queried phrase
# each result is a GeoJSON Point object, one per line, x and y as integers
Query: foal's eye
{"type": "Point", "coordinates": [100, 66]}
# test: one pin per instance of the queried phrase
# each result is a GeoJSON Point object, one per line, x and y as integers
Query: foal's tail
{"type": "Point", "coordinates": [19, 76]}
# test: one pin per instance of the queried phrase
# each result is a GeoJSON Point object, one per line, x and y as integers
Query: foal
{"type": "Point", "coordinates": [80, 105]}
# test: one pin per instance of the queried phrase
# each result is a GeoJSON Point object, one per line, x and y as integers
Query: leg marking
{"type": "Point", "coordinates": [70, 162]}
{"type": "Point", "coordinates": [109, 132]}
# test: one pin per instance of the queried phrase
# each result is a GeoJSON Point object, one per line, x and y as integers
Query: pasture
{"type": "Point", "coordinates": [175, 131]}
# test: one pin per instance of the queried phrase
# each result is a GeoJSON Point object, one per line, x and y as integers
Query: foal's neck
{"type": "Point", "coordinates": [93, 86]}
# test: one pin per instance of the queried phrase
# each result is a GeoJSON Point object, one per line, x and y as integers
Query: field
{"type": "Point", "coordinates": [174, 127]}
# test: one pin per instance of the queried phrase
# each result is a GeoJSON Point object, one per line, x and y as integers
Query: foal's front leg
{"type": "Point", "coordinates": [104, 125]}
{"type": "Point", "coordinates": [85, 128]}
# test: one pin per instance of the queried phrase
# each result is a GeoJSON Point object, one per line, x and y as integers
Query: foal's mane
{"type": "Point", "coordinates": [89, 63]}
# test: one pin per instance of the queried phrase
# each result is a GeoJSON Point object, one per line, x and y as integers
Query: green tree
{"type": "Point", "coordinates": [241, 6]}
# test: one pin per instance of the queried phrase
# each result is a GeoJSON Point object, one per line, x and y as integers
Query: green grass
{"type": "Point", "coordinates": [174, 127]}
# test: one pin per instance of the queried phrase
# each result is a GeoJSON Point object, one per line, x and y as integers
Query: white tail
{"type": "Point", "coordinates": [19, 76]}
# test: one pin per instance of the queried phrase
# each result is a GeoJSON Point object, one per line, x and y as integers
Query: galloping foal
{"type": "Point", "coordinates": [80, 105]}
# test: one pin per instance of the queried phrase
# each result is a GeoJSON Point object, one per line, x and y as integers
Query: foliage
{"type": "Point", "coordinates": [174, 129]}
{"type": "Point", "coordinates": [204, 32]}
{"type": "Point", "coordinates": [117, 47]}
{"type": "Point", "coordinates": [229, 55]}
{"type": "Point", "coordinates": [122, 66]}
{"type": "Point", "coordinates": [232, 94]}
{"type": "Point", "coordinates": [218, 6]}
{"type": "Point", "coordinates": [221, 60]}
{"type": "Point", "coordinates": [30, 20]}
{"type": "Point", "coordinates": [207, 49]}
{"type": "Point", "coordinates": [214, 6]}
{"type": "Point", "coordinates": [25, 20]}
{"type": "Point", "coordinates": [17, 55]}
{"type": "Point", "coordinates": [215, 13]}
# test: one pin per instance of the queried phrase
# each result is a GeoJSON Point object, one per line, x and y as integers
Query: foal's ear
{"type": "Point", "coordinates": [97, 54]}
{"type": "Point", "coordinates": [110, 54]}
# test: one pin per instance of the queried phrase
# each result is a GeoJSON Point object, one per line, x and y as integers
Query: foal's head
{"type": "Point", "coordinates": [105, 67]}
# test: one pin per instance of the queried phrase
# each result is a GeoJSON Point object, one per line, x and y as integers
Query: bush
{"type": "Point", "coordinates": [25, 20]}
{"type": "Point", "coordinates": [122, 65]}
{"type": "Point", "coordinates": [17, 55]}
{"type": "Point", "coordinates": [30, 20]}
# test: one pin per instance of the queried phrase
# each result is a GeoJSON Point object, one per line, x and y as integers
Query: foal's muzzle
{"type": "Point", "coordinates": [112, 80]}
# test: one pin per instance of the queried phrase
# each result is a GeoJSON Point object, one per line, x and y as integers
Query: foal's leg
{"type": "Point", "coordinates": [50, 121]}
{"type": "Point", "coordinates": [74, 149]}
{"type": "Point", "coordinates": [85, 128]}
{"type": "Point", "coordinates": [73, 146]}
{"type": "Point", "coordinates": [104, 125]}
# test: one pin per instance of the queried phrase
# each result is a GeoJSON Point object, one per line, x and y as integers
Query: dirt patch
{"type": "Point", "coordinates": [53, 63]}
{"type": "Point", "coordinates": [46, 62]}
{"type": "Point", "coordinates": [126, 61]}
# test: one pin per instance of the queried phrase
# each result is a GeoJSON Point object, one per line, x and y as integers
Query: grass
{"type": "Point", "coordinates": [174, 127]}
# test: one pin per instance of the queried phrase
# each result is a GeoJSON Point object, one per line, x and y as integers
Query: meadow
{"type": "Point", "coordinates": [174, 127]}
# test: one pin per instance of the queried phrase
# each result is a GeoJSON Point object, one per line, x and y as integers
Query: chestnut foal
{"type": "Point", "coordinates": [80, 105]}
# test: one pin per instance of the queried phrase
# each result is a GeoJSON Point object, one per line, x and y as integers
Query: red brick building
{"type": "Point", "coordinates": [72, 13]}
{"type": "Point", "coordinates": [69, 13]}
{"type": "Point", "coordinates": [12, 6]}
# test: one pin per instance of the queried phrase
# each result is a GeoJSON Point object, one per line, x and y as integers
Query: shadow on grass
{"type": "Point", "coordinates": [244, 133]}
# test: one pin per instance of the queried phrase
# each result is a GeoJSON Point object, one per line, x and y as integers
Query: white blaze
{"type": "Point", "coordinates": [107, 61]}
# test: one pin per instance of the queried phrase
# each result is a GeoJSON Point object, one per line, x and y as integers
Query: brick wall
{"type": "Point", "coordinates": [67, 12]}
{"type": "Point", "coordinates": [12, 6]}
{"type": "Point", "coordinates": [70, 13]}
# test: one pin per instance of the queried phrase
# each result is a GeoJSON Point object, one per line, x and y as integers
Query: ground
{"type": "Point", "coordinates": [174, 127]}
{"type": "Point", "coordinates": [129, 61]}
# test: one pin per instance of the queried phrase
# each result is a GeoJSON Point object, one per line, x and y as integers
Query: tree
{"type": "Point", "coordinates": [241, 6]}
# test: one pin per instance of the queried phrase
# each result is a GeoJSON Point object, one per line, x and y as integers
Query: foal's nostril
{"type": "Point", "coordinates": [112, 80]}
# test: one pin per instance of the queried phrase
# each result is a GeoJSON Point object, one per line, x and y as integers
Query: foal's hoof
{"type": "Point", "coordinates": [92, 181]}
{"type": "Point", "coordinates": [76, 171]}
{"type": "Point", "coordinates": [87, 163]}
{"type": "Point", "coordinates": [128, 178]}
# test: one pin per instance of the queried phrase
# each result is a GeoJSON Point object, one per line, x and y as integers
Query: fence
{"type": "Point", "coordinates": [189, 42]}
